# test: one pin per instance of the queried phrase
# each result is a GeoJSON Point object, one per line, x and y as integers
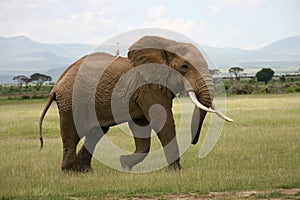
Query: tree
{"type": "Point", "coordinates": [282, 78]}
{"type": "Point", "coordinates": [214, 71]}
{"type": "Point", "coordinates": [236, 71]}
{"type": "Point", "coordinates": [265, 75]}
{"type": "Point", "coordinates": [39, 79]}
{"type": "Point", "coordinates": [27, 81]}
{"type": "Point", "coordinates": [21, 79]}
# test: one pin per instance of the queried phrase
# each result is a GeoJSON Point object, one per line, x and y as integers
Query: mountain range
{"type": "Point", "coordinates": [22, 55]}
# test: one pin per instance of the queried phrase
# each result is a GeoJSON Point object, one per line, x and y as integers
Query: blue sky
{"type": "Point", "coordinates": [244, 24]}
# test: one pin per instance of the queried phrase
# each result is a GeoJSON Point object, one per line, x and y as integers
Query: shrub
{"type": "Point", "coordinates": [282, 78]}
{"type": "Point", "coordinates": [38, 96]}
{"type": "Point", "coordinates": [272, 89]}
{"type": "Point", "coordinates": [245, 88]}
{"type": "Point", "coordinates": [25, 97]}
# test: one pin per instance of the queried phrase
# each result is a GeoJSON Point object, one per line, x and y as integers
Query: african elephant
{"type": "Point", "coordinates": [185, 70]}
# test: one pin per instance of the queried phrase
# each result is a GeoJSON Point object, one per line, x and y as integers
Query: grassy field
{"type": "Point", "coordinates": [260, 151]}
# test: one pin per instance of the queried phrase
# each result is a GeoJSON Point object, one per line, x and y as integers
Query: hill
{"type": "Point", "coordinates": [288, 46]}
{"type": "Point", "coordinates": [22, 55]}
{"type": "Point", "coordinates": [280, 54]}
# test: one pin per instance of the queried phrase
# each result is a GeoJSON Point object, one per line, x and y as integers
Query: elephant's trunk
{"type": "Point", "coordinates": [196, 124]}
{"type": "Point", "coordinates": [203, 104]}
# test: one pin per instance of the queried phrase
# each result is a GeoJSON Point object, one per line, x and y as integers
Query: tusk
{"type": "Point", "coordinates": [194, 99]}
{"type": "Point", "coordinates": [198, 104]}
{"type": "Point", "coordinates": [221, 115]}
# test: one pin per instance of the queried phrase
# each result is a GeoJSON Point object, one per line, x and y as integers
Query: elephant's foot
{"type": "Point", "coordinates": [77, 170]}
{"type": "Point", "coordinates": [77, 167]}
{"type": "Point", "coordinates": [69, 168]}
{"type": "Point", "coordinates": [83, 160]}
{"type": "Point", "coordinates": [84, 168]}
{"type": "Point", "coordinates": [83, 165]}
{"type": "Point", "coordinates": [175, 166]}
{"type": "Point", "coordinates": [129, 161]}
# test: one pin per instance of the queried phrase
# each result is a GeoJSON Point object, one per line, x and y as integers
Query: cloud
{"type": "Point", "coordinates": [213, 10]}
{"type": "Point", "coordinates": [254, 46]}
{"type": "Point", "coordinates": [157, 12]}
{"type": "Point", "coordinates": [92, 21]}
{"type": "Point", "coordinates": [239, 3]}
{"type": "Point", "coordinates": [158, 17]}
{"type": "Point", "coordinates": [226, 38]}
{"type": "Point", "coordinates": [183, 26]}
{"type": "Point", "coordinates": [48, 21]}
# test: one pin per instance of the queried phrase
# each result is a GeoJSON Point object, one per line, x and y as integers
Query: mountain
{"type": "Point", "coordinates": [288, 46]}
{"type": "Point", "coordinates": [280, 54]}
{"type": "Point", "coordinates": [22, 55]}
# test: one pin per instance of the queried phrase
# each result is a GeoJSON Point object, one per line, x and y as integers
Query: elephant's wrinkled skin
{"type": "Point", "coordinates": [182, 57]}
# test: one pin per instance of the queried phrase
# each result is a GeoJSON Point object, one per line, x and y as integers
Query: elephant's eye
{"type": "Point", "coordinates": [185, 66]}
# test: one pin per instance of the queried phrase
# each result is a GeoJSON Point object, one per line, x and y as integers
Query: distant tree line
{"type": "Point", "coordinates": [240, 83]}
{"type": "Point", "coordinates": [263, 75]}
{"type": "Point", "coordinates": [36, 78]}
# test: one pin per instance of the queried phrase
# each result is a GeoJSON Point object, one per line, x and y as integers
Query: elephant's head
{"type": "Point", "coordinates": [186, 59]}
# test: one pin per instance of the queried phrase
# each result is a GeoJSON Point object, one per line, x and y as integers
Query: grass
{"type": "Point", "coordinates": [259, 151]}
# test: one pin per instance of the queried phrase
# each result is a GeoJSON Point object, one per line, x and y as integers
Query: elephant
{"type": "Point", "coordinates": [172, 67]}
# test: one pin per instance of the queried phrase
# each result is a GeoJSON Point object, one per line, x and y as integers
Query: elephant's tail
{"type": "Point", "coordinates": [51, 98]}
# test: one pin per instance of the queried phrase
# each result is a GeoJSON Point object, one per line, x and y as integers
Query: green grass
{"type": "Point", "coordinates": [259, 151]}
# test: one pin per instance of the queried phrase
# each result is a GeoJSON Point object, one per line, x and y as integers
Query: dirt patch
{"type": "Point", "coordinates": [252, 194]}
{"type": "Point", "coordinates": [278, 194]}
{"type": "Point", "coordinates": [291, 191]}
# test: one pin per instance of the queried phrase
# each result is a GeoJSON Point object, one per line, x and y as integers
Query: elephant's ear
{"type": "Point", "coordinates": [140, 76]}
{"type": "Point", "coordinates": [150, 49]}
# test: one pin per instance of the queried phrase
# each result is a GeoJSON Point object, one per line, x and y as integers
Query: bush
{"type": "Point", "coordinates": [25, 97]}
{"type": "Point", "coordinates": [13, 90]}
{"type": "Point", "coordinates": [245, 88]}
{"type": "Point", "coordinates": [274, 89]}
{"type": "Point", "coordinates": [249, 88]}
{"type": "Point", "coordinates": [38, 96]}
{"type": "Point", "coordinates": [282, 78]}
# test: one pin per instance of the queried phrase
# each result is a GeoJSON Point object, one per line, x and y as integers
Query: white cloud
{"type": "Point", "coordinates": [213, 10]}
{"type": "Point", "coordinates": [227, 38]}
{"type": "Point", "coordinates": [158, 18]}
{"type": "Point", "coordinates": [227, 22]}
{"type": "Point", "coordinates": [157, 12]}
{"type": "Point", "coordinates": [187, 27]}
{"type": "Point", "coordinates": [254, 46]}
{"type": "Point", "coordinates": [239, 3]}
{"type": "Point", "coordinates": [63, 21]}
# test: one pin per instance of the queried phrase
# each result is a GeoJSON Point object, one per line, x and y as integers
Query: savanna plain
{"type": "Point", "coordinates": [259, 151]}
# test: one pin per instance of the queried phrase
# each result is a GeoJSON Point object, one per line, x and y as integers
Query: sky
{"type": "Point", "coordinates": [247, 24]}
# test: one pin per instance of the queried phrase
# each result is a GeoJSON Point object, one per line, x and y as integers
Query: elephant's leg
{"type": "Point", "coordinates": [158, 110]}
{"type": "Point", "coordinates": [168, 140]}
{"type": "Point", "coordinates": [142, 136]}
{"type": "Point", "coordinates": [85, 154]}
{"type": "Point", "coordinates": [70, 140]}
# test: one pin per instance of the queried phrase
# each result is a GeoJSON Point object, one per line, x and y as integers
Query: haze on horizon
{"type": "Point", "coordinates": [218, 23]}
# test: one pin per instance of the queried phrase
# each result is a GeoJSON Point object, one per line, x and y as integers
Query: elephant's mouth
{"type": "Point", "coordinates": [213, 109]}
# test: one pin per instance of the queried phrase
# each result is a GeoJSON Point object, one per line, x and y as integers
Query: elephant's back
{"type": "Point", "coordinates": [80, 78]}
{"type": "Point", "coordinates": [106, 86]}
{"type": "Point", "coordinates": [93, 62]}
